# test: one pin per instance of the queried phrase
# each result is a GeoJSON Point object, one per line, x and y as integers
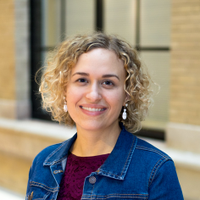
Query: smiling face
{"type": "Point", "coordinates": [95, 93]}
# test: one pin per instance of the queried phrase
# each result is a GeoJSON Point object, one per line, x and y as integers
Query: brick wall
{"type": "Point", "coordinates": [185, 62]}
{"type": "Point", "coordinates": [14, 59]}
{"type": "Point", "coordinates": [7, 57]}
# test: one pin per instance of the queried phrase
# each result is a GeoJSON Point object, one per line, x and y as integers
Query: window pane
{"type": "Point", "coordinates": [80, 16]}
{"type": "Point", "coordinates": [155, 22]}
{"type": "Point", "coordinates": [51, 35]}
{"type": "Point", "coordinates": [50, 23]}
{"type": "Point", "coordinates": [158, 67]}
{"type": "Point", "coordinates": [119, 18]}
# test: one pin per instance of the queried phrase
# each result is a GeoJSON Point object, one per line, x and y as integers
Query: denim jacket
{"type": "Point", "coordinates": [134, 170]}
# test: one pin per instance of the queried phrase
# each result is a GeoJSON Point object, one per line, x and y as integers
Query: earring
{"type": "Point", "coordinates": [65, 105]}
{"type": "Point", "coordinates": [124, 114]}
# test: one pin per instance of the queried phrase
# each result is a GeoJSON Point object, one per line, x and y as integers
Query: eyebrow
{"type": "Point", "coordinates": [81, 73]}
{"type": "Point", "coordinates": [110, 75]}
{"type": "Point", "coordinates": [104, 76]}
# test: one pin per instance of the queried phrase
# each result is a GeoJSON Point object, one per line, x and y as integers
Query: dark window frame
{"type": "Point", "coordinates": [36, 57]}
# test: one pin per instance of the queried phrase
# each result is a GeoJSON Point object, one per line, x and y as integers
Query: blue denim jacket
{"type": "Point", "coordinates": [134, 170]}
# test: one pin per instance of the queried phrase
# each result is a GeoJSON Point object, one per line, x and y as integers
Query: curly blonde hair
{"type": "Point", "coordinates": [57, 73]}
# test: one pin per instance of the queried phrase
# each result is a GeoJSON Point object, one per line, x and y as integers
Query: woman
{"type": "Point", "coordinates": [97, 83]}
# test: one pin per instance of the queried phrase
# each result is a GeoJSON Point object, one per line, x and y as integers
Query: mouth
{"type": "Point", "coordinates": [93, 109]}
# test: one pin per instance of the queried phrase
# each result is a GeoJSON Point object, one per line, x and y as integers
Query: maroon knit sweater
{"type": "Point", "coordinates": [71, 186]}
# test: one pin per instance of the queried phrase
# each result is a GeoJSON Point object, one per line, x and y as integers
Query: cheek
{"type": "Point", "coordinates": [73, 95]}
{"type": "Point", "coordinates": [117, 99]}
{"type": "Point", "coordinates": [70, 92]}
{"type": "Point", "coordinates": [69, 95]}
{"type": "Point", "coordinates": [71, 99]}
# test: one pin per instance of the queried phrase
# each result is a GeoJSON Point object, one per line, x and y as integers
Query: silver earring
{"type": "Point", "coordinates": [124, 114]}
{"type": "Point", "coordinates": [65, 105]}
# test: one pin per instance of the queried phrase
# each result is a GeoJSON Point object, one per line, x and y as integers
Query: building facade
{"type": "Point", "coordinates": [166, 34]}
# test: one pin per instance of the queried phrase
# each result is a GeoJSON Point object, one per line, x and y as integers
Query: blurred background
{"type": "Point", "coordinates": [167, 36]}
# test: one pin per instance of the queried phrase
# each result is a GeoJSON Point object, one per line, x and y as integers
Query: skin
{"type": "Point", "coordinates": [95, 96]}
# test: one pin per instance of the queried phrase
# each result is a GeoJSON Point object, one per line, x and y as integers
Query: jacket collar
{"type": "Point", "coordinates": [117, 163]}
{"type": "Point", "coordinates": [59, 153]}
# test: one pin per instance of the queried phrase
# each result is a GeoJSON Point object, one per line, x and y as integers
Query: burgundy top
{"type": "Point", "coordinates": [71, 186]}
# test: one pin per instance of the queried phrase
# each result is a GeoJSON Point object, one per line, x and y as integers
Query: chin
{"type": "Point", "coordinates": [96, 125]}
{"type": "Point", "coordinates": [91, 125]}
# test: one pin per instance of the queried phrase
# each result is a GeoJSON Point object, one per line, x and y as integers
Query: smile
{"type": "Point", "coordinates": [93, 109]}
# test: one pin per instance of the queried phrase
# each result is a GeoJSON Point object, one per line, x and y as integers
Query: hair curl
{"type": "Point", "coordinates": [57, 73]}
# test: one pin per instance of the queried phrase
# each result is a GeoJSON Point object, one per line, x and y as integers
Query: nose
{"type": "Point", "coordinates": [93, 94]}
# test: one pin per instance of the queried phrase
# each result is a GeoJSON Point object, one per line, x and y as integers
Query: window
{"type": "Point", "coordinates": [153, 42]}
{"type": "Point", "coordinates": [51, 22]}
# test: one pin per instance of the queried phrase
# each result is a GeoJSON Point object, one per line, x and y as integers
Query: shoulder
{"type": "Point", "coordinates": [147, 148]}
{"type": "Point", "coordinates": [151, 162]}
{"type": "Point", "coordinates": [151, 159]}
{"type": "Point", "coordinates": [141, 149]}
{"type": "Point", "coordinates": [162, 176]}
{"type": "Point", "coordinates": [144, 155]}
{"type": "Point", "coordinates": [150, 155]}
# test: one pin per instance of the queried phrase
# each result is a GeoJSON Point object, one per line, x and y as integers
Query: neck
{"type": "Point", "coordinates": [92, 143]}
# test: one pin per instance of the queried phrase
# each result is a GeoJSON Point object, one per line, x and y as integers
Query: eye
{"type": "Point", "coordinates": [108, 83]}
{"type": "Point", "coordinates": [82, 80]}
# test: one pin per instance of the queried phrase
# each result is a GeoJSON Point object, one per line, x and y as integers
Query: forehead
{"type": "Point", "coordinates": [100, 60]}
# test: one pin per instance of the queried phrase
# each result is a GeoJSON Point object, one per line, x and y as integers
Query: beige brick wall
{"type": "Point", "coordinates": [14, 59]}
{"type": "Point", "coordinates": [185, 62]}
{"type": "Point", "coordinates": [7, 54]}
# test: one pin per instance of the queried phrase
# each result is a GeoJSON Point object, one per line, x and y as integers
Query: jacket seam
{"type": "Point", "coordinates": [116, 195]}
{"type": "Point", "coordinates": [109, 173]}
{"type": "Point", "coordinates": [33, 183]}
{"type": "Point", "coordinates": [128, 157]}
{"type": "Point", "coordinates": [159, 163]}
{"type": "Point", "coordinates": [153, 150]}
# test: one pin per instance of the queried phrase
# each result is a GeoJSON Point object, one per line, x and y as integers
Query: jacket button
{"type": "Point", "coordinates": [92, 179]}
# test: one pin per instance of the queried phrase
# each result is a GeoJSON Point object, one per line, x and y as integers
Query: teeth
{"type": "Point", "coordinates": [93, 109]}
